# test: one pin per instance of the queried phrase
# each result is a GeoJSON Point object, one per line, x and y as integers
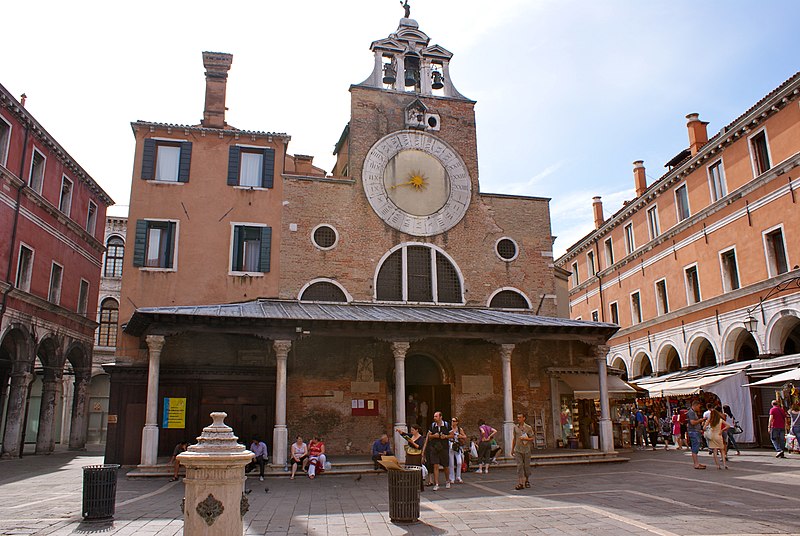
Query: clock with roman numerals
{"type": "Point", "coordinates": [416, 183]}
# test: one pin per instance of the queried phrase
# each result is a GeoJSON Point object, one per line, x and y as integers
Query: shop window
{"type": "Point", "coordinates": [56, 275]}
{"type": "Point", "coordinates": [83, 297]}
{"type": "Point", "coordinates": [759, 151]}
{"type": "Point", "coordinates": [166, 161]}
{"type": "Point", "coordinates": [775, 248]}
{"type": "Point", "coordinates": [716, 181]}
{"type": "Point", "coordinates": [24, 268]}
{"type": "Point", "coordinates": [407, 274]}
{"type": "Point", "coordinates": [36, 176]}
{"type": "Point", "coordinates": [636, 308]}
{"type": "Point", "coordinates": [115, 251]}
{"type": "Point", "coordinates": [652, 222]}
{"type": "Point", "coordinates": [662, 303]}
{"type": "Point", "coordinates": [154, 246]}
{"type": "Point", "coordinates": [730, 271]}
{"type": "Point", "coordinates": [609, 249]}
{"type": "Point", "coordinates": [252, 167]}
{"type": "Point", "coordinates": [692, 284]}
{"type": "Point", "coordinates": [251, 249]}
{"type": "Point", "coordinates": [630, 244]}
{"type": "Point", "coordinates": [109, 317]}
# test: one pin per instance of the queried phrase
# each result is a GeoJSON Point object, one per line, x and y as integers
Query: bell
{"type": "Point", "coordinates": [438, 80]}
{"type": "Point", "coordinates": [411, 78]}
{"type": "Point", "coordinates": [389, 74]}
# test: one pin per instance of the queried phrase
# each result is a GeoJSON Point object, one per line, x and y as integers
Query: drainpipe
{"type": "Point", "coordinates": [14, 229]}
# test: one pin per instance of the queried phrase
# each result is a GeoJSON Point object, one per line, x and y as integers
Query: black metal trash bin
{"type": "Point", "coordinates": [99, 491]}
{"type": "Point", "coordinates": [404, 494]}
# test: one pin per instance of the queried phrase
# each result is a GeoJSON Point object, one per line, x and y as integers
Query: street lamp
{"type": "Point", "coordinates": [751, 323]}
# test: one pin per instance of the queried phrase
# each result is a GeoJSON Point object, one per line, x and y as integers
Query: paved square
{"type": "Point", "coordinates": [655, 493]}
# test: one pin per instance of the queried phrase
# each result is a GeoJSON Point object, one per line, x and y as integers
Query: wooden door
{"type": "Point", "coordinates": [132, 424]}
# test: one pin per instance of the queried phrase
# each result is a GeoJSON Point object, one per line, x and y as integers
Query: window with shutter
{"type": "Point", "coordinates": [166, 161]}
{"type": "Point", "coordinates": [251, 167]}
{"type": "Point", "coordinates": [250, 249]}
{"type": "Point", "coordinates": [154, 245]}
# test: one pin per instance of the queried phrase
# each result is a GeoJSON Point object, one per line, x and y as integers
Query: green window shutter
{"type": "Point", "coordinates": [233, 166]}
{"type": "Point", "coordinates": [185, 163]}
{"type": "Point", "coordinates": [148, 159]}
{"type": "Point", "coordinates": [266, 246]}
{"type": "Point", "coordinates": [237, 249]}
{"type": "Point", "coordinates": [170, 247]}
{"type": "Point", "coordinates": [140, 243]}
{"type": "Point", "coordinates": [268, 168]}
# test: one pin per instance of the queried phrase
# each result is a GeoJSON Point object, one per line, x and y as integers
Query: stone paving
{"type": "Point", "coordinates": [655, 493]}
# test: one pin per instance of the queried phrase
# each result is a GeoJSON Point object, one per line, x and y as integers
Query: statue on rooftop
{"type": "Point", "coordinates": [407, 8]}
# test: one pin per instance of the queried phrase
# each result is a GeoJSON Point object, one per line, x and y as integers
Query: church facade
{"type": "Point", "coordinates": [365, 299]}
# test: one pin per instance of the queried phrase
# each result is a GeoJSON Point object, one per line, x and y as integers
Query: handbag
{"type": "Point", "coordinates": [411, 451]}
{"type": "Point", "coordinates": [791, 442]}
{"type": "Point", "coordinates": [737, 429]}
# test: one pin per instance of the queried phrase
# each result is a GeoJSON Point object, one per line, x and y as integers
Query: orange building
{"type": "Point", "coordinates": [711, 243]}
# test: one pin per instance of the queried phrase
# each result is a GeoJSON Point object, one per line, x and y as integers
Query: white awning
{"type": "Point", "coordinates": [779, 379]}
{"type": "Point", "coordinates": [587, 386]}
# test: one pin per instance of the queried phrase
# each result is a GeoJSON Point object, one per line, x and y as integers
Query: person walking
{"type": "Point", "coordinates": [714, 427]}
{"type": "Point", "coordinates": [777, 428]}
{"type": "Point", "coordinates": [694, 429]}
{"type": "Point", "coordinates": [456, 451]}
{"type": "Point", "coordinates": [521, 448]}
{"type": "Point", "coordinates": [641, 425]}
{"type": "Point", "coordinates": [677, 437]}
{"type": "Point", "coordinates": [486, 434]}
{"type": "Point", "coordinates": [652, 429]}
{"type": "Point", "coordinates": [794, 418]}
{"type": "Point", "coordinates": [731, 432]}
{"type": "Point", "coordinates": [439, 436]}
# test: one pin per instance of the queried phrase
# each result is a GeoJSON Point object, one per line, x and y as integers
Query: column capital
{"type": "Point", "coordinates": [155, 342]}
{"type": "Point", "coordinates": [600, 351]}
{"type": "Point", "coordinates": [506, 350]}
{"type": "Point", "coordinates": [400, 348]}
{"type": "Point", "coordinates": [282, 348]}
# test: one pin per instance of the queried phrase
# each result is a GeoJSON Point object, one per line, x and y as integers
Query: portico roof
{"type": "Point", "coordinates": [426, 319]}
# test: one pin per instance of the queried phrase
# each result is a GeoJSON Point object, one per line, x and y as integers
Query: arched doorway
{"type": "Point", "coordinates": [642, 365]}
{"type": "Point", "coordinates": [619, 364]}
{"type": "Point", "coordinates": [425, 382]}
{"type": "Point", "coordinates": [744, 347]}
{"type": "Point", "coordinates": [792, 343]}
{"type": "Point", "coordinates": [783, 333]}
{"type": "Point", "coordinates": [672, 362]}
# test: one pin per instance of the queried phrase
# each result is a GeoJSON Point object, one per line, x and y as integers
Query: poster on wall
{"type": "Point", "coordinates": [174, 413]}
{"type": "Point", "coordinates": [364, 407]}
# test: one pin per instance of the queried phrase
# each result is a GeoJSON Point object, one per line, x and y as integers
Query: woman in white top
{"type": "Point", "coordinates": [456, 453]}
{"type": "Point", "coordinates": [299, 455]}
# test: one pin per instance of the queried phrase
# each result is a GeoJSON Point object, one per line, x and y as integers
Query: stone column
{"type": "Point", "coordinates": [399, 350]}
{"type": "Point", "coordinates": [508, 399]}
{"type": "Point", "coordinates": [80, 413]}
{"type": "Point", "coordinates": [45, 440]}
{"type": "Point", "coordinates": [67, 399]}
{"type": "Point", "coordinates": [280, 435]}
{"type": "Point", "coordinates": [15, 413]}
{"type": "Point", "coordinates": [606, 429]}
{"type": "Point", "coordinates": [150, 432]}
{"type": "Point", "coordinates": [214, 502]}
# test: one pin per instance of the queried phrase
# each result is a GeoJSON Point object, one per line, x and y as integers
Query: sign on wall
{"type": "Point", "coordinates": [174, 413]}
{"type": "Point", "coordinates": [364, 407]}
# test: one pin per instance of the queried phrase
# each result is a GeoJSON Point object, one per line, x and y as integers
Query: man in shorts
{"type": "Point", "coordinates": [694, 429]}
{"type": "Point", "coordinates": [439, 436]}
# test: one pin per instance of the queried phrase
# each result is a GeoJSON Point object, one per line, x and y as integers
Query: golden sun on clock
{"type": "Point", "coordinates": [416, 182]}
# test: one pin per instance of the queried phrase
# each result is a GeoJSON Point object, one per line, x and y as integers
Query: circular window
{"type": "Point", "coordinates": [506, 249]}
{"type": "Point", "coordinates": [324, 236]}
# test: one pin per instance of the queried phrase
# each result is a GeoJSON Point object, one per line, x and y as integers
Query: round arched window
{"type": "Point", "coordinates": [324, 236]}
{"type": "Point", "coordinates": [421, 264]}
{"type": "Point", "coordinates": [323, 291]}
{"type": "Point", "coordinates": [506, 249]}
{"type": "Point", "coordinates": [509, 299]}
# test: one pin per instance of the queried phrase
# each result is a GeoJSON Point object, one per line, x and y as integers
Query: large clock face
{"type": "Point", "coordinates": [416, 183]}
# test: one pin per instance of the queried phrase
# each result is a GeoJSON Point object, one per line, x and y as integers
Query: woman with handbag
{"type": "Point", "coordinates": [456, 453]}
{"type": "Point", "coordinates": [713, 434]}
{"type": "Point", "coordinates": [414, 447]}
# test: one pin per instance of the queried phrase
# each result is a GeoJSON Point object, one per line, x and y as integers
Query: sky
{"type": "Point", "coordinates": [569, 92]}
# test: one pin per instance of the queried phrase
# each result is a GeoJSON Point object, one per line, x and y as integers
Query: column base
{"type": "Point", "coordinates": [606, 435]}
{"type": "Point", "coordinates": [280, 445]}
{"type": "Point", "coordinates": [150, 444]}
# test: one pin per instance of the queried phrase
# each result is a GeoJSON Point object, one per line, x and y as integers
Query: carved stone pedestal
{"type": "Point", "coordinates": [215, 502]}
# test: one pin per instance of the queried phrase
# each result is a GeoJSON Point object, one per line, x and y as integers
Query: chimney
{"type": "Point", "coordinates": [597, 208]}
{"type": "Point", "coordinates": [303, 164]}
{"type": "Point", "coordinates": [217, 65]}
{"type": "Point", "coordinates": [698, 135]}
{"type": "Point", "coordinates": [639, 178]}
